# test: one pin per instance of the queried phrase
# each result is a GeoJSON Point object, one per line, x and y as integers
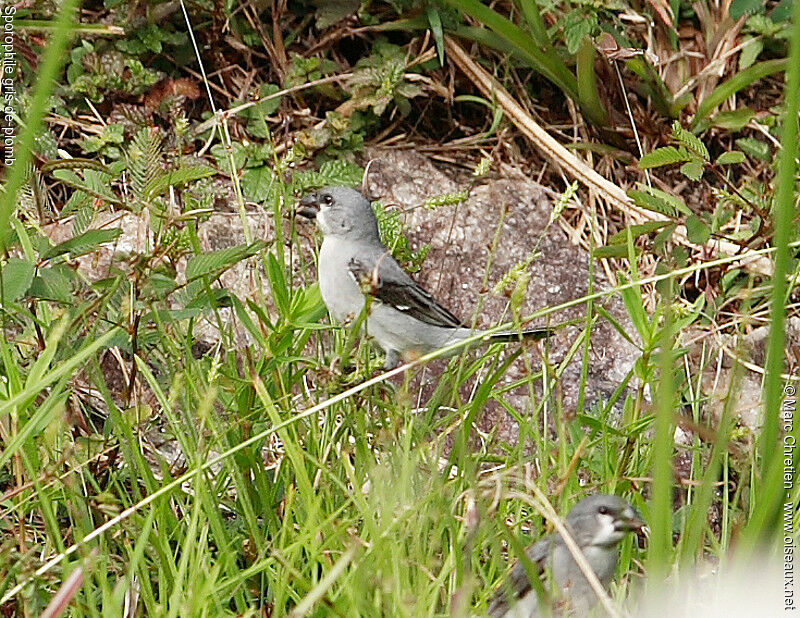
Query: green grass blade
{"type": "Point", "coordinates": [741, 80]}
{"type": "Point", "coordinates": [770, 486]}
{"type": "Point", "coordinates": [54, 57]}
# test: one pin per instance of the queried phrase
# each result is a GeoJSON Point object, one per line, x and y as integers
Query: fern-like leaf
{"type": "Point", "coordinates": [690, 141]}
{"type": "Point", "coordinates": [164, 180]}
{"type": "Point", "coordinates": [83, 243]}
{"type": "Point", "coordinates": [144, 163]}
{"type": "Point", "coordinates": [215, 262]}
{"type": "Point", "coordinates": [663, 156]}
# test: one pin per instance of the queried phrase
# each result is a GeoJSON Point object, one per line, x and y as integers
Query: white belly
{"type": "Point", "coordinates": [339, 290]}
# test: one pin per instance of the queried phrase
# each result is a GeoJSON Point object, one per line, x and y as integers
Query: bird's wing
{"type": "Point", "coordinates": [519, 584]}
{"type": "Point", "coordinates": [391, 285]}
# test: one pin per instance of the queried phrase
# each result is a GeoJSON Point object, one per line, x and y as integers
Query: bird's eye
{"type": "Point", "coordinates": [603, 510]}
{"type": "Point", "coordinates": [327, 199]}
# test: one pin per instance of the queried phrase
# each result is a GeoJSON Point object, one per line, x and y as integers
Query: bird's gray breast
{"type": "Point", "coordinates": [340, 293]}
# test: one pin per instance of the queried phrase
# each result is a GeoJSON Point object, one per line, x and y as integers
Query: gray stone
{"type": "Point", "coordinates": [461, 239]}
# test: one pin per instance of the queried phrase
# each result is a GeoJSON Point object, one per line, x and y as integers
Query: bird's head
{"type": "Point", "coordinates": [341, 211]}
{"type": "Point", "coordinates": [603, 520]}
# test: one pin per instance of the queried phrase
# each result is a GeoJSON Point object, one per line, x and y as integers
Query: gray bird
{"type": "Point", "coordinates": [404, 319]}
{"type": "Point", "coordinates": [597, 523]}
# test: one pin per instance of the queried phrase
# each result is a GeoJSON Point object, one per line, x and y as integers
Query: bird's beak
{"type": "Point", "coordinates": [633, 522]}
{"type": "Point", "coordinates": [309, 206]}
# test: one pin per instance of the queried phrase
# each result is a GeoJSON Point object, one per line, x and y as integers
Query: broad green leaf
{"type": "Point", "coordinates": [54, 283]}
{"type": "Point", "coordinates": [83, 243]}
{"type": "Point", "coordinates": [17, 275]}
{"type": "Point", "coordinates": [692, 170]}
{"type": "Point", "coordinates": [750, 52]}
{"type": "Point", "coordinates": [618, 250]}
{"type": "Point", "coordinates": [277, 283]}
{"type": "Point", "coordinates": [731, 157]}
{"type": "Point", "coordinates": [330, 173]}
{"type": "Point", "coordinates": [256, 183]}
{"type": "Point", "coordinates": [576, 26]}
{"type": "Point", "coordinates": [341, 172]}
{"type": "Point", "coordinates": [744, 7]}
{"type": "Point", "coordinates": [733, 120]}
{"type": "Point", "coordinates": [636, 231]}
{"type": "Point", "coordinates": [738, 82]}
{"type": "Point", "coordinates": [697, 230]}
{"type": "Point", "coordinates": [160, 184]}
{"type": "Point", "coordinates": [334, 11]}
{"type": "Point", "coordinates": [663, 156]}
{"type": "Point", "coordinates": [307, 305]}
{"type": "Point", "coordinates": [755, 148]}
{"type": "Point", "coordinates": [659, 201]}
{"type": "Point", "coordinates": [220, 260]}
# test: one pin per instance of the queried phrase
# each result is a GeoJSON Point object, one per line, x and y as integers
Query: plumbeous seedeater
{"type": "Point", "coordinates": [404, 319]}
{"type": "Point", "coordinates": [597, 524]}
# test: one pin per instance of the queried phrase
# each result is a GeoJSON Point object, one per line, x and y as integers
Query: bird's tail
{"type": "Point", "coordinates": [535, 333]}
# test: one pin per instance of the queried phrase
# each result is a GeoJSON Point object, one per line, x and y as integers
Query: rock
{"type": "Point", "coordinates": [461, 239]}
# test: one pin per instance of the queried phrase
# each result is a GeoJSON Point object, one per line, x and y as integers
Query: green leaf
{"type": "Point", "coordinates": [83, 243]}
{"type": "Point", "coordinates": [733, 120]}
{"type": "Point", "coordinates": [340, 172]}
{"type": "Point", "coordinates": [333, 11]}
{"type": "Point", "coordinates": [652, 203]}
{"type": "Point", "coordinates": [751, 50]}
{"type": "Point", "coordinates": [618, 250]}
{"type": "Point", "coordinates": [697, 230]}
{"type": "Point", "coordinates": [664, 236]}
{"type": "Point", "coordinates": [663, 156]}
{"type": "Point", "coordinates": [576, 26]}
{"type": "Point", "coordinates": [659, 201]}
{"type": "Point", "coordinates": [17, 275]}
{"type": "Point", "coordinates": [744, 7]}
{"type": "Point", "coordinates": [71, 179]}
{"type": "Point", "coordinates": [693, 170]}
{"type": "Point", "coordinates": [634, 303]}
{"type": "Point", "coordinates": [731, 157]}
{"type": "Point", "coordinates": [220, 260]}
{"type": "Point", "coordinates": [161, 183]}
{"type": "Point", "coordinates": [782, 12]}
{"type": "Point", "coordinates": [307, 305]}
{"type": "Point", "coordinates": [277, 283]}
{"type": "Point", "coordinates": [54, 283]}
{"type": "Point", "coordinates": [690, 141]}
{"type": "Point", "coordinates": [522, 44]}
{"type": "Point", "coordinates": [738, 82]}
{"type": "Point", "coordinates": [159, 285]}
{"type": "Point", "coordinates": [337, 172]}
{"type": "Point", "coordinates": [256, 183]}
{"type": "Point", "coordinates": [636, 231]}
{"type": "Point", "coordinates": [435, 22]}
{"type": "Point", "coordinates": [257, 114]}
{"type": "Point", "coordinates": [755, 148]}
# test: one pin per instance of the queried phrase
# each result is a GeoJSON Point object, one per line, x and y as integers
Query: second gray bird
{"type": "Point", "coordinates": [404, 319]}
{"type": "Point", "coordinates": [597, 523]}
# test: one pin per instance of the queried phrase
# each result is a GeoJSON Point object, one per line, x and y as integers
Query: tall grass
{"type": "Point", "coordinates": [307, 489]}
